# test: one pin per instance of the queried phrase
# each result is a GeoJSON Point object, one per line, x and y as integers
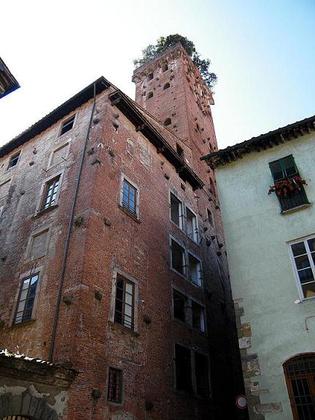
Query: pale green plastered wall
{"type": "Point", "coordinates": [260, 267]}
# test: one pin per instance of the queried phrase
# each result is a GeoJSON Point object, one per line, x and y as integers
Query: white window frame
{"type": "Point", "coordinates": [66, 143]}
{"type": "Point", "coordinates": [195, 232]}
{"type": "Point", "coordinates": [181, 212]}
{"type": "Point", "coordinates": [39, 208]}
{"type": "Point", "coordinates": [124, 177]}
{"type": "Point", "coordinates": [117, 272]}
{"type": "Point", "coordinates": [199, 284]}
{"type": "Point", "coordinates": [21, 277]}
{"type": "Point", "coordinates": [312, 265]}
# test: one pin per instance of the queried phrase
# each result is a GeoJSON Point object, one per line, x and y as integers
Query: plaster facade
{"type": "Point", "coordinates": [277, 323]}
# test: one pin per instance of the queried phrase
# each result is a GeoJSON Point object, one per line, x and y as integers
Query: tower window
{"type": "Point", "coordinates": [150, 94]}
{"type": "Point", "coordinates": [26, 299]}
{"type": "Point", "coordinates": [51, 193]}
{"type": "Point", "coordinates": [165, 67]}
{"type": "Point", "coordinates": [167, 122]}
{"type": "Point", "coordinates": [166, 86]}
{"type": "Point", "coordinates": [176, 211]}
{"type": "Point", "coordinates": [124, 304]}
{"type": "Point", "coordinates": [67, 125]}
{"type": "Point", "coordinates": [150, 76]}
{"type": "Point", "coordinates": [114, 393]}
{"type": "Point", "coordinates": [178, 257]}
{"type": "Point", "coordinates": [13, 160]}
{"type": "Point", "coordinates": [129, 197]}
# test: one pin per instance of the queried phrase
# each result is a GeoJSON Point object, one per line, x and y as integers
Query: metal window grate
{"type": "Point", "coordinates": [114, 393]}
{"type": "Point", "coordinates": [300, 377]}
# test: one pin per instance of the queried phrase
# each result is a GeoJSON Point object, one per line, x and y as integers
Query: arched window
{"type": "Point", "coordinates": [150, 94]}
{"type": "Point", "coordinates": [167, 122]}
{"type": "Point", "coordinates": [300, 378]}
{"type": "Point", "coordinates": [166, 86]}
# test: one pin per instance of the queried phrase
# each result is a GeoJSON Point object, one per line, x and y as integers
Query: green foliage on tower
{"type": "Point", "coordinates": [152, 51]}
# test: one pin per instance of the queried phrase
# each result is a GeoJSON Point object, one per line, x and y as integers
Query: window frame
{"type": "Point", "coordinates": [22, 278]}
{"type": "Point", "coordinates": [294, 267]}
{"type": "Point", "coordinates": [193, 352]}
{"type": "Point", "coordinates": [286, 206]}
{"type": "Point", "coordinates": [12, 157]}
{"type": "Point", "coordinates": [66, 121]}
{"type": "Point", "coordinates": [137, 200]}
{"type": "Point", "coordinates": [190, 253]}
{"type": "Point", "coordinates": [40, 205]}
{"type": "Point", "coordinates": [121, 401]}
{"type": "Point", "coordinates": [189, 301]}
{"type": "Point", "coordinates": [119, 273]}
{"type": "Point", "coordinates": [31, 241]}
{"type": "Point", "coordinates": [184, 274]}
{"type": "Point", "coordinates": [195, 233]}
{"type": "Point", "coordinates": [181, 216]}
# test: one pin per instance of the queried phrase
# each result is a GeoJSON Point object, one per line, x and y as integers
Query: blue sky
{"type": "Point", "coordinates": [262, 52]}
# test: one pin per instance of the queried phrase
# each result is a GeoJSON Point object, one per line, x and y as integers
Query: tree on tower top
{"type": "Point", "coordinates": [152, 51]}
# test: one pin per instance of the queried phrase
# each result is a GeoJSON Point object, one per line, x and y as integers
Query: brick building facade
{"type": "Point", "coordinates": [112, 264]}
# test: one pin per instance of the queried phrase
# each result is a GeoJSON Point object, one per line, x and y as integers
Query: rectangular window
{"type": "Point", "coordinates": [13, 160]}
{"type": "Point", "coordinates": [129, 197]}
{"type": "Point", "coordinates": [26, 299]}
{"type": "Point", "coordinates": [176, 211]}
{"type": "Point", "coordinates": [303, 254]}
{"type": "Point", "coordinates": [202, 375]}
{"type": "Point", "coordinates": [125, 302]}
{"type": "Point", "coordinates": [178, 257]}
{"type": "Point", "coordinates": [180, 304]}
{"type": "Point", "coordinates": [38, 246]}
{"type": "Point", "coordinates": [183, 368]}
{"type": "Point", "coordinates": [67, 125]}
{"type": "Point", "coordinates": [198, 316]}
{"type": "Point", "coordinates": [50, 193]}
{"type": "Point", "coordinates": [191, 225]}
{"type": "Point", "coordinates": [114, 393]}
{"type": "Point", "coordinates": [194, 270]}
{"type": "Point", "coordinates": [289, 190]}
{"type": "Point", "coordinates": [59, 155]}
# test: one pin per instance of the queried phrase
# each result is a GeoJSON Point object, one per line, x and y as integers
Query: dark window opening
{"type": "Point", "coordinates": [124, 303]}
{"type": "Point", "coordinates": [202, 375]}
{"type": "Point", "coordinates": [194, 270]}
{"type": "Point", "coordinates": [166, 86]}
{"type": "Point", "coordinates": [180, 305]}
{"type": "Point", "coordinates": [183, 368]}
{"type": "Point", "coordinates": [129, 197]}
{"type": "Point", "coordinates": [50, 193]}
{"type": "Point", "coordinates": [165, 67]}
{"type": "Point", "coordinates": [150, 95]}
{"type": "Point", "coordinates": [178, 257]}
{"type": "Point", "coordinates": [167, 122]}
{"type": "Point", "coordinates": [198, 317]}
{"type": "Point", "coordinates": [67, 125]}
{"type": "Point", "coordinates": [289, 190]}
{"type": "Point", "coordinates": [176, 211]}
{"type": "Point", "coordinates": [26, 299]}
{"type": "Point", "coordinates": [150, 76]}
{"type": "Point", "coordinates": [114, 393]}
{"type": "Point", "coordinates": [13, 160]}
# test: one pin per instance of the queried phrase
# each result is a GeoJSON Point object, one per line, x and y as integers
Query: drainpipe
{"type": "Point", "coordinates": [67, 244]}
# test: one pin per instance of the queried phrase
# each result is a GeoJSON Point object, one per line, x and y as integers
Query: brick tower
{"type": "Point", "coordinates": [171, 88]}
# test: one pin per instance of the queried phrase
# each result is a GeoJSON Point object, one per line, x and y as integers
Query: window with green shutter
{"type": "Point", "coordinates": [288, 184]}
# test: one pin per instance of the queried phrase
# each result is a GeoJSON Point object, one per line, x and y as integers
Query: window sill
{"type": "Point", "coordinates": [122, 328]}
{"type": "Point", "coordinates": [128, 213]}
{"type": "Point", "coordinates": [44, 211]}
{"type": "Point", "coordinates": [297, 208]}
{"type": "Point", "coordinates": [23, 324]}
